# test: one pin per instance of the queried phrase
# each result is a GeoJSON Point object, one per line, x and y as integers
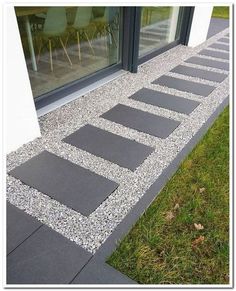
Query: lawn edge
{"type": "Point", "coordinates": [90, 274]}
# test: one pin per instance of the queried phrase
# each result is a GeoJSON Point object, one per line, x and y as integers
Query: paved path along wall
{"type": "Point", "coordinates": [170, 99]}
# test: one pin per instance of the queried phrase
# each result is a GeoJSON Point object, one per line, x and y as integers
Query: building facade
{"type": "Point", "coordinates": [56, 54]}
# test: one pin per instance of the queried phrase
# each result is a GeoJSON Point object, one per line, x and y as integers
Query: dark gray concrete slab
{"type": "Point", "coordinates": [224, 39]}
{"type": "Point", "coordinates": [220, 46]}
{"type": "Point", "coordinates": [208, 63]}
{"type": "Point", "coordinates": [66, 182]}
{"type": "Point", "coordinates": [142, 121]}
{"type": "Point", "coordinates": [214, 54]}
{"type": "Point", "coordinates": [46, 257]}
{"type": "Point", "coordinates": [158, 30]}
{"type": "Point", "coordinates": [146, 42]}
{"type": "Point", "coordinates": [217, 25]}
{"type": "Point", "coordinates": [20, 226]}
{"type": "Point", "coordinates": [171, 102]}
{"type": "Point", "coordinates": [184, 85]}
{"type": "Point", "coordinates": [109, 246]}
{"type": "Point", "coordinates": [199, 73]}
{"type": "Point", "coordinates": [101, 273]}
{"type": "Point", "coordinates": [117, 149]}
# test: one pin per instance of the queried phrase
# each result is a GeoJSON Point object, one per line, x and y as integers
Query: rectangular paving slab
{"type": "Point", "coordinates": [184, 85]}
{"type": "Point", "coordinates": [199, 73]}
{"type": "Point", "coordinates": [142, 121]}
{"type": "Point", "coordinates": [46, 257]}
{"type": "Point", "coordinates": [220, 46]}
{"type": "Point", "coordinates": [20, 226]}
{"type": "Point", "coordinates": [101, 273]}
{"type": "Point", "coordinates": [224, 39]}
{"type": "Point", "coordinates": [64, 181]}
{"type": "Point", "coordinates": [117, 149]}
{"type": "Point", "coordinates": [208, 63]}
{"type": "Point", "coordinates": [214, 54]}
{"type": "Point", "coordinates": [160, 99]}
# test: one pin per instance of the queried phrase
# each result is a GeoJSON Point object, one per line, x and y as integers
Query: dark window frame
{"type": "Point", "coordinates": [130, 33]}
{"type": "Point", "coordinates": [186, 22]}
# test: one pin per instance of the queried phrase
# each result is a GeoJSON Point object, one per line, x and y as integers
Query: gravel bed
{"type": "Point", "coordinates": [90, 232]}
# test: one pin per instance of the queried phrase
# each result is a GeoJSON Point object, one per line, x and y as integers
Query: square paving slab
{"type": "Point", "coordinates": [184, 85]}
{"type": "Point", "coordinates": [220, 46]}
{"type": "Point", "coordinates": [224, 39]}
{"type": "Point", "coordinates": [46, 257]}
{"type": "Point", "coordinates": [142, 121]}
{"type": "Point", "coordinates": [171, 102]}
{"type": "Point", "coordinates": [117, 149]}
{"type": "Point", "coordinates": [208, 63]}
{"type": "Point", "coordinates": [20, 226]}
{"type": "Point", "coordinates": [199, 73]}
{"type": "Point", "coordinates": [64, 181]}
{"type": "Point", "coordinates": [214, 54]}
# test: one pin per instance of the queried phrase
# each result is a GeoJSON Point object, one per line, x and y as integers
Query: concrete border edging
{"type": "Point", "coordinates": [97, 271]}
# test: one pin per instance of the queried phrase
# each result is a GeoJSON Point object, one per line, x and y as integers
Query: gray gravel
{"type": "Point", "coordinates": [90, 232]}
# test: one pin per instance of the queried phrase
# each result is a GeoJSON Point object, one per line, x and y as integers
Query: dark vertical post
{"type": "Point", "coordinates": [186, 24]}
{"type": "Point", "coordinates": [131, 31]}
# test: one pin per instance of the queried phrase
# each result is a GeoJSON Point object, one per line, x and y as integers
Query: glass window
{"type": "Point", "coordinates": [64, 44]}
{"type": "Point", "coordinates": [159, 27]}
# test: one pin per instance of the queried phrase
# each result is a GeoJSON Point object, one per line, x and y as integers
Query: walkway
{"type": "Point", "coordinates": [101, 160]}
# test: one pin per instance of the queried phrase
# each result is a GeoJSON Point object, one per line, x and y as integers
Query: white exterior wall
{"type": "Point", "coordinates": [200, 25]}
{"type": "Point", "coordinates": [20, 118]}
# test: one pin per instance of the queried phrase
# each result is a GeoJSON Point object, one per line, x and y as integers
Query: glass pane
{"type": "Point", "coordinates": [64, 44]}
{"type": "Point", "coordinates": [159, 27]}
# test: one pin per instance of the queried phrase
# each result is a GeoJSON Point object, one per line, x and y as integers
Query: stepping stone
{"type": "Point", "coordinates": [20, 226]}
{"type": "Point", "coordinates": [101, 273]}
{"type": "Point", "coordinates": [142, 121]}
{"type": "Point", "coordinates": [214, 54]}
{"type": "Point", "coordinates": [184, 85]}
{"type": "Point", "coordinates": [64, 181]}
{"type": "Point", "coordinates": [122, 151]}
{"type": "Point", "coordinates": [220, 46]}
{"type": "Point", "coordinates": [145, 41]}
{"type": "Point", "coordinates": [224, 39]}
{"type": "Point", "coordinates": [199, 73]}
{"type": "Point", "coordinates": [156, 30]}
{"type": "Point", "coordinates": [171, 102]}
{"type": "Point", "coordinates": [46, 257]}
{"type": "Point", "coordinates": [208, 63]}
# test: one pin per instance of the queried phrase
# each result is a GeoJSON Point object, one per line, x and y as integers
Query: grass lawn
{"type": "Point", "coordinates": [183, 237]}
{"type": "Point", "coordinates": [221, 12]}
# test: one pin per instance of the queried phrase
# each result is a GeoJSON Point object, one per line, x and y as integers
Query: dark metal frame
{"type": "Point", "coordinates": [130, 60]}
{"type": "Point", "coordinates": [187, 15]}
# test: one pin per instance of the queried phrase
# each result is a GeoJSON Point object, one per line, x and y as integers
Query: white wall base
{"type": "Point", "coordinates": [200, 25]}
{"type": "Point", "coordinates": [20, 118]}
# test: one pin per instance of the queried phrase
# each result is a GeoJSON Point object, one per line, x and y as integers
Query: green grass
{"type": "Point", "coordinates": [161, 250]}
{"type": "Point", "coordinates": [221, 12]}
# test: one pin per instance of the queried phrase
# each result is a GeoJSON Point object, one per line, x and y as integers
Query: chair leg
{"type": "Point", "coordinates": [40, 48]}
{"type": "Point", "coordinates": [104, 33]}
{"type": "Point", "coordinates": [50, 53]}
{"type": "Point", "coordinates": [63, 46]}
{"type": "Point", "coordinates": [78, 40]}
{"type": "Point", "coordinates": [113, 36]}
{"type": "Point", "coordinates": [92, 50]}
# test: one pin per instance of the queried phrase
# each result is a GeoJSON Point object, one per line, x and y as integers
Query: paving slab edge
{"type": "Point", "coordinates": [109, 246]}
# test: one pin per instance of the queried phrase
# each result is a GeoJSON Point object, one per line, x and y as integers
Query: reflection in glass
{"type": "Point", "coordinates": [64, 44]}
{"type": "Point", "coordinates": [159, 27]}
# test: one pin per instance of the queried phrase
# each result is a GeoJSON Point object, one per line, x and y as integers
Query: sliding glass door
{"type": "Point", "coordinates": [64, 44]}
{"type": "Point", "coordinates": [159, 27]}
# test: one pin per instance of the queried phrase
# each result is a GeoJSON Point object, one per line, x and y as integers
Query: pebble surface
{"type": "Point", "coordinates": [90, 232]}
